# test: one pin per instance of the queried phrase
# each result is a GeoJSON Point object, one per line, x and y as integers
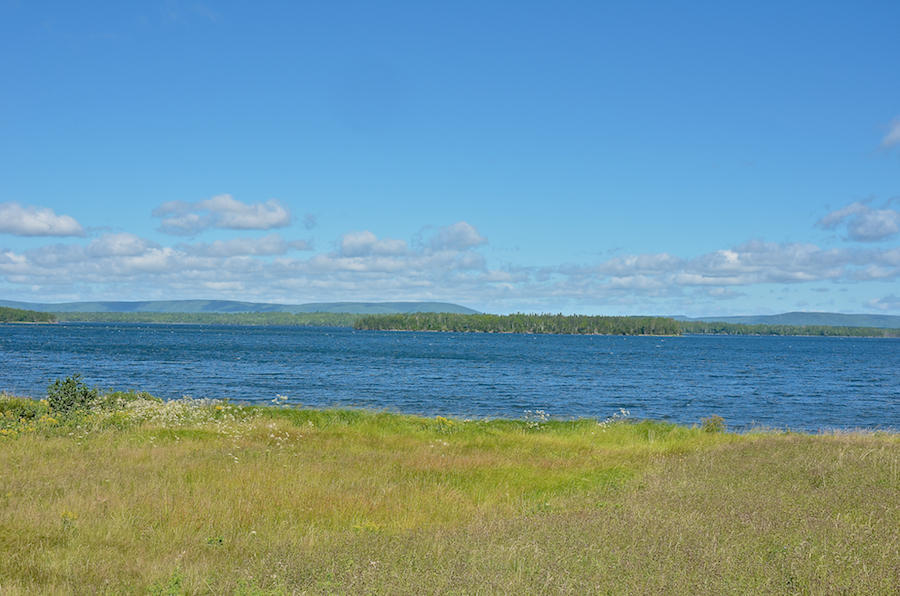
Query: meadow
{"type": "Point", "coordinates": [121, 493]}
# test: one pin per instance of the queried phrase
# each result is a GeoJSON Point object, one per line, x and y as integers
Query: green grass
{"type": "Point", "coordinates": [144, 497]}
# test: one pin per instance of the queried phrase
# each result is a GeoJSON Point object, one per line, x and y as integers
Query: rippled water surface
{"type": "Point", "coordinates": [803, 383]}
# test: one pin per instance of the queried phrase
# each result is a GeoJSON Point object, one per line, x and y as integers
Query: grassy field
{"type": "Point", "coordinates": [136, 496]}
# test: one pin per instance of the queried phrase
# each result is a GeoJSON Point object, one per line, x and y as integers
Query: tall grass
{"type": "Point", "coordinates": [210, 498]}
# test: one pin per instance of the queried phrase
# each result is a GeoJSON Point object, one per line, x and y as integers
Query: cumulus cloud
{"type": "Point", "coordinates": [363, 267]}
{"type": "Point", "coordinates": [273, 244]}
{"type": "Point", "coordinates": [720, 293]}
{"type": "Point", "coordinates": [889, 302]}
{"type": "Point", "coordinates": [757, 262]}
{"type": "Point", "coordinates": [447, 265]}
{"type": "Point", "coordinates": [364, 244]}
{"type": "Point", "coordinates": [863, 223]}
{"type": "Point", "coordinates": [188, 219]}
{"type": "Point", "coordinates": [892, 138]}
{"type": "Point", "coordinates": [640, 264]}
{"type": "Point", "coordinates": [459, 236]}
{"type": "Point", "coordinates": [36, 221]}
{"type": "Point", "coordinates": [717, 275]}
{"type": "Point", "coordinates": [119, 245]}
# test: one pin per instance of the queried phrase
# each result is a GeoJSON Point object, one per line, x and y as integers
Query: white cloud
{"type": "Point", "coordinates": [892, 138]}
{"type": "Point", "coordinates": [364, 267]}
{"type": "Point", "coordinates": [187, 219]}
{"type": "Point", "coordinates": [119, 245]}
{"type": "Point", "coordinates": [718, 275]}
{"type": "Point", "coordinates": [640, 264]}
{"type": "Point", "coordinates": [364, 244]}
{"type": "Point", "coordinates": [458, 236]}
{"type": "Point", "coordinates": [889, 302]}
{"type": "Point", "coordinates": [864, 224]}
{"type": "Point", "coordinates": [720, 293]}
{"type": "Point", "coordinates": [36, 221]}
{"type": "Point", "coordinates": [757, 262]}
{"type": "Point", "coordinates": [447, 266]}
{"type": "Point", "coordinates": [273, 244]}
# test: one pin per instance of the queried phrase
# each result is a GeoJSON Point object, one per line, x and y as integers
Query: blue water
{"type": "Point", "coordinates": [803, 383]}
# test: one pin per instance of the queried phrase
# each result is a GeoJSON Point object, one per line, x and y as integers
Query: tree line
{"type": "Point", "coordinates": [520, 323]}
{"type": "Point", "coordinates": [482, 323]}
{"type": "Point", "coordinates": [704, 328]}
{"type": "Point", "coordinates": [17, 315]}
{"type": "Point", "coordinates": [596, 325]}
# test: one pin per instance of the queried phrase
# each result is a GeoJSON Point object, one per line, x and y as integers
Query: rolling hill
{"type": "Point", "coordinates": [231, 306]}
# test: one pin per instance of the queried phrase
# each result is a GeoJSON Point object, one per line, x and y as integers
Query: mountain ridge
{"type": "Point", "coordinates": [234, 306]}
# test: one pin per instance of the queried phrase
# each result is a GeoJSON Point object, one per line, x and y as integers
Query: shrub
{"type": "Point", "coordinates": [71, 395]}
{"type": "Point", "coordinates": [713, 424]}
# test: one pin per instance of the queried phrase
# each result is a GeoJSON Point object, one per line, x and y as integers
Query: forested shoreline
{"type": "Point", "coordinates": [597, 325]}
{"type": "Point", "coordinates": [17, 315]}
{"type": "Point", "coordinates": [704, 328]}
{"type": "Point", "coordinates": [454, 322]}
{"type": "Point", "coordinates": [521, 323]}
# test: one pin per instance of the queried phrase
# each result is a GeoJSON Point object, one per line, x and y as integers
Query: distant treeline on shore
{"type": "Point", "coordinates": [522, 323]}
{"type": "Point", "coordinates": [597, 325]}
{"type": "Point", "coordinates": [480, 323]}
{"type": "Point", "coordinates": [16, 315]}
{"type": "Point", "coordinates": [699, 327]}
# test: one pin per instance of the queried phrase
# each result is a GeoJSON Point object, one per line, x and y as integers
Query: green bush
{"type": "Point", "coordinates": [713, 424]}
{"type": "Point", "coordinates": [71, 395]}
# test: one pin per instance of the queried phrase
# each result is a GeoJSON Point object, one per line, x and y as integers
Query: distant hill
{"type": "Point", "coordinates": [808, 318]}
{"type": "Point", "coordinates": [231, 306]}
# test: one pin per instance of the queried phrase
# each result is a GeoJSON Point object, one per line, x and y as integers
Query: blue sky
{"type": "Point", "coordinates": [577, 157]}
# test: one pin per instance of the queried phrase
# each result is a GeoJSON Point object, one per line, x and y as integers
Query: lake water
{"type": "Point", "coordinates": [803, 383]}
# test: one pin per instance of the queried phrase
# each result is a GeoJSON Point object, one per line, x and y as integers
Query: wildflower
{"type": "Point", "coordinates": [619, 416]}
